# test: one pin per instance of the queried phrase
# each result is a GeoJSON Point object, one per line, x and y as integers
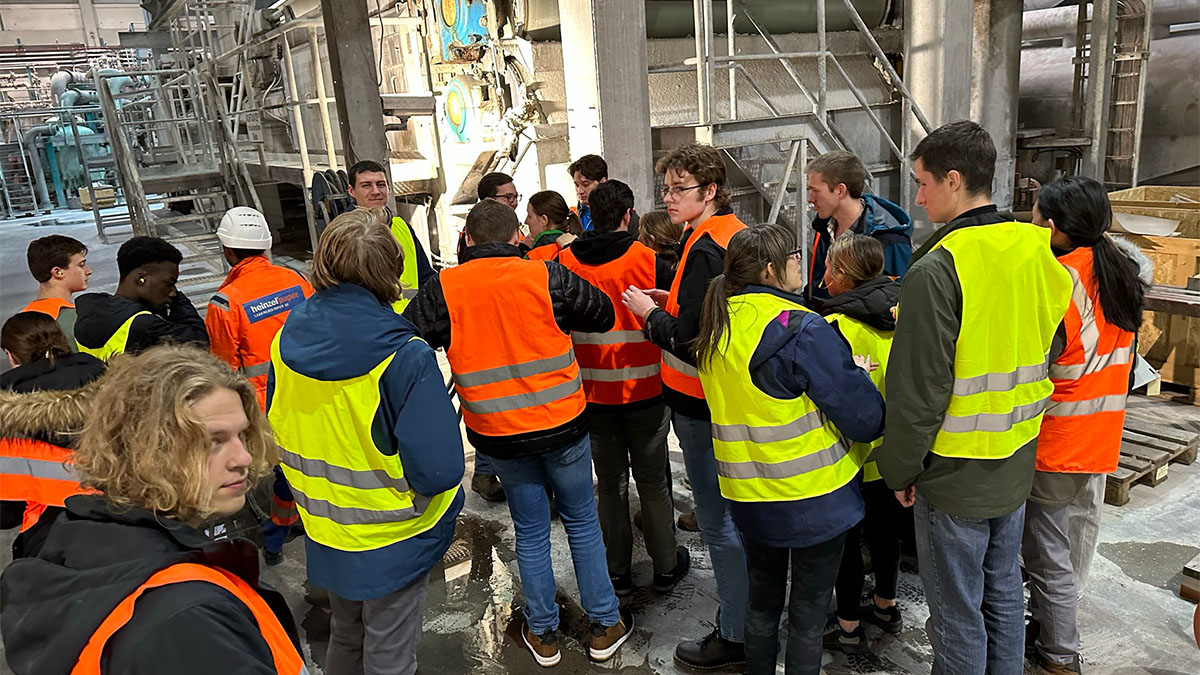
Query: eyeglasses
{"type": "Point", "coordinates": [797, 253]}
{"type": "Point", "coordinates": [677, 192]}
{"type": "Point", "coordinates": [512, 199]}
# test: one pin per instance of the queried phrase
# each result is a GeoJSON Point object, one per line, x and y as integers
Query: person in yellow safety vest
{"type": "Point", "coordinates": [791, 416]}
{"type": "Point", "coordinates": [370, 187]}
{"type": "Point", "coordinates": [370, 446]}
{"type": "Point", "coordinates": [967, 385]}
{"type": "Point", "coordinates": [59, 265]}
{"type": "Point", "coordinates": [695, 194]}
{"type": "Point", "coordinates": [147, 308]}
{"type": "Point", "coordinates": [860, 308]}
{"type": "Point", "coordinates": [128, 580]}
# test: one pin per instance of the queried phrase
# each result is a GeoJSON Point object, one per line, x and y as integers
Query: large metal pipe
{"type": "Point", "coordinates": [35, 161]}
{"type": "Point", "coordinates": [995, 84]}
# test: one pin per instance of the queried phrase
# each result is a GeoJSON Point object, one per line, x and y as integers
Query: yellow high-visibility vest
{"type": "Point", "coordinates": [768, 449]}
{"type": "Point", "coordinates": [350, 495]}
{"type": "Point", "coordinates": [115, 344]}
{"type": "Point", "coordinates": [867, 341]}
{"type": "Point", "coordinates": [408, 279]}
{"type": "Point", "coordinates": [1014, 295]}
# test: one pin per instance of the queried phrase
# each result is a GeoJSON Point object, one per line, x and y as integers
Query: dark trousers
{"type": "Point", "coordinates": [814, 570]}
{"type": "Point", "coordinates": [881, 527]}
{"type": "Point", "coordinates": [634, 441]}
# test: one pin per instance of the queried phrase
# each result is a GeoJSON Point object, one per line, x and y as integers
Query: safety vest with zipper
{"type": "Point", "coordinates": [351, 496]}
{"type": "Point", "coordinates": [676, 373]}
{"type": "Point", "coordinates": [514, 368]}
{"type": "Point", "coordinates": [769, 449]}
{"type": "Point", "coordinates": [620, 366]}
{"type": "Point", "coordinates": [1081, 431]}
{"type": "Point", "coordinates": [1014, 295]}
{"type": "Point", "coordinates": [867, 341]}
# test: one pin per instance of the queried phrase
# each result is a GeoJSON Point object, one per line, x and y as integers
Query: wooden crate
{"type": "Point", "coordinates": [1169, 342]}
{"type": "Point", "coordinates": [1154, 201]}
{"type": "Point", "coordinates": [104, 197]}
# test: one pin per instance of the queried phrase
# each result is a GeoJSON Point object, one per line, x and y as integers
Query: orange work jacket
{"type": "Point", "coordinates": [247, 312]}
{"type": "Point", "coordinates": [37, 473]}
{"type": "Point", "coordinates": [1081, 431]}
{"type": "Point", "coordinates": [513, 367]}
{"type": "Point", "coordinates": [677, 374]}
{"type": "Point", "coordinates": [620, 366]}
{"type": "Point", "coordinates": [51, 306]}
{"type": "Point", "coordinates": [287, 660]}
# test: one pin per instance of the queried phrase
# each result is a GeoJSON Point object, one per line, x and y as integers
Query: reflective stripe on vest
{"type": "Point", "coordinates": [283, 651]}
{"type": "Point", "coordinates": [115, 344]}
{"type": "Point", "coordinates": [514, 369]}
{"type": "Point", "coordinates": [408, 278]}
{"type": "Point", "coordinates": [1081, 431]}
{"type": "Point", "coordinates": [867, 340]}
{"type": "Point", "coordinates": [768, 449]}
{"type": "Point", "coordinates": [351, 495]}
{"type": "Point", "coordinates": [37, 473]}
{"type": "Point", "coordinates": [1009, 315]}
{"type": "Point", "coordinates": [677, 374]}
{"type": "Point", "coordinates": [620, 366]}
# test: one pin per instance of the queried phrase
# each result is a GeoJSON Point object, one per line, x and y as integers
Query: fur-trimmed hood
{"type": "Point", "coordinates": [1145, 265]}
{"type": "Point", "coordinates": [52, 416]}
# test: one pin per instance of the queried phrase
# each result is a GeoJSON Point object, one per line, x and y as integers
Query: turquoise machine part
{"type": "Point", "coordinates": [462, 29]}
{"type": "Point", "coordinates": [459, 109]}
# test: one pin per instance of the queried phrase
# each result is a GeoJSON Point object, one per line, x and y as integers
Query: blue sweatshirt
{"type": "Point", "coordinates": [799, 353]}
{"type": "Point", "coordinates": [344, 332]}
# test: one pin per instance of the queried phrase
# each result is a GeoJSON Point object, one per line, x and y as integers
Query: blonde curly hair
{"type": "Point", "coordinates": [143, 446]}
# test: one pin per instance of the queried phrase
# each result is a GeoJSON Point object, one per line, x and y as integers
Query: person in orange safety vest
{"type": "Point", "coordinates": [620, 370]}
{"type": "Point", "coordinates": [59, 264]}
{"type": "Point", "coordinates": [243, 318]}
{"type": "Point", "coordinates": [1080, 438]}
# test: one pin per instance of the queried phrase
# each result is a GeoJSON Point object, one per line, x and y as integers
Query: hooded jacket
{"type": "Point", "coordinates": [344, 332]}
{"type": "Point", "coordinates": [881, 219]}
{"type": "Point", "coordinates": [97, 555]}
{"type": "Point", "coordinates": [577, 305]}
{"type": "Point", "coordinates": [598, 248]}
{"type": "Point", "coordinates": [101, 314]}
{"type": "Point", "coordinates": [870, 302]}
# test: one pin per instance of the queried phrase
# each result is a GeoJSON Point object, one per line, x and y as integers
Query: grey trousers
{"type": "Point", "coordinates": [376, 637]}
{"type": "Point", "coordinates": [1046, 547]}
{"type": "Point", "coordinates": [1085, 528]}
{"type": "Point", "coordinates": [636, 441]}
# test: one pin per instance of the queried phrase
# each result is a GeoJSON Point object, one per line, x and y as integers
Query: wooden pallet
{"type": "Point", "coordinates": [1147, 450]}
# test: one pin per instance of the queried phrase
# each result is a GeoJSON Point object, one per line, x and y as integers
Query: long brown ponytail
{"type": "Point", "coordinates": [750, 251]}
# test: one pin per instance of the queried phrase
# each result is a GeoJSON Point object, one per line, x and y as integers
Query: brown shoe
{"type": "Point", "coordinates": [488, 487]}
{"type": "Point", "coordinates": [687, 521]}
{"type": "Point", "coordinates": [606, 640]}
{"type": "Point", "coordinates": [1041, 666]}
{"type": "Point", "coordinates": [543, 647]}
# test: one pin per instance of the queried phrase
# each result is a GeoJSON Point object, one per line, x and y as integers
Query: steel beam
{"type": "Point", "coordinates": [1097, 98]}
{"type": "Point", "coordinates": [995, 84]}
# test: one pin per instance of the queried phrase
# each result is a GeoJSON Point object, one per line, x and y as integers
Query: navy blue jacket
{"type": "Point", "coordinates": [344, 332]}
{"type": "Point", "coordinates": [799, 353]}
{"type": "Point", "coordinates": [881, 219]}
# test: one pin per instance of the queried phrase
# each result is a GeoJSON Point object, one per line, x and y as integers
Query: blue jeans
{"type": "Point", "coordinates": [724, 543]}
{"type": "Point", "coordinates": [972, 582]}
{"type": "Point", "coordinates": [569, 470]}
{"type": "Point", "coordinates": [483, 465]}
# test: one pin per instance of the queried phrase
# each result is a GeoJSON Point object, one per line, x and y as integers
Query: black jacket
{"type": "Point", "coordinates": [706, 260]}
{"type": "Point", "coordinates": [870, 302]}
{"type": "Point", "coordinates": [577, 304]}
{"type": "Point", "coordinates": [598, 248]}
{"type": "Point", "coordinates": [101, 314]}
{"type": "Point", "coordinates": [94, 558]}
{"type": "Point", "coordinates": [67, 372]}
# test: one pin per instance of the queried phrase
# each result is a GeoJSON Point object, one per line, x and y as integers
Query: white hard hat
{"type": "Point", "coordinates": [245, 228]}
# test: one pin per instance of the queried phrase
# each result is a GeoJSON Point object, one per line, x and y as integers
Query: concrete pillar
{"type": "Point", "coordinates": [608, 94]}
{"type": "Point", "coordinates": [90, 22]}
{"type": "Point", "coordinates": [937, 58]}
{"type": "Point", "coordinates": [353, 66]}
{"type": "Point", "coordinates": [1099, 86]}
{"type": "Point", "coordinates": [995, 84]}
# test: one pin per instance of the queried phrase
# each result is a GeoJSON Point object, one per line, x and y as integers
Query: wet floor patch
{"type": "Point", "coordinates": [1158, 563]}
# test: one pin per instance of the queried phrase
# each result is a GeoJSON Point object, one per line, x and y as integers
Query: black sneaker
{"type": "Point", "coordinates": [272, 559]}
{"type": "Point", "coordinates": [663, 583]}
{"type": "Point", "coordinates": [835, 638]}
{"type": "Point", "coordinates": [622, 585]}
{"type": "Point", "coordinates": [709, 653]}
{"type": "Point", "coordinates": [886, 618]}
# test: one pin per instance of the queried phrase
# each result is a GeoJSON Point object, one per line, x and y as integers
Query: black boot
{"type": "Point", "coordinates": [488, 487]}
{"type": "Point", "coordinates": [710, 653]}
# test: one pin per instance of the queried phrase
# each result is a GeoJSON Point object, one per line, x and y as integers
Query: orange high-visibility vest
{"type": "Point", "coordinates": [513, 367]}
{"type": "Point", "coordinates": [287, 660]}
{"type": "Point", "coordinates": [620, 366]}
{"type": "Point", "coordinates": [1081, 430]}
{"type": "Point", "coordinates": [544, 252]}
{"type": "Point", "coordinates": [51, 306]}
{"type": "Point", "coordinates": [37, 473]}
{"type": "Point", "coordinates": [677, 374]}
{"type": "Point", "coordinates": [246, 313]}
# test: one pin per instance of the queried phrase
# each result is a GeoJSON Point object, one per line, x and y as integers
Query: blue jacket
{"type": "Point", "coordinates": [344, 332]}
{"type": "Point", "coordinates": [799, 353]}
{"type": "Point", "coordinates": [881, 219]}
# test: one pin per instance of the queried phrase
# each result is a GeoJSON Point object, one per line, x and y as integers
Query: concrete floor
{"type": "Point", "coordinates": [1132, 621]}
